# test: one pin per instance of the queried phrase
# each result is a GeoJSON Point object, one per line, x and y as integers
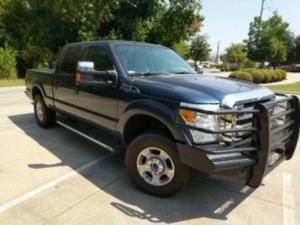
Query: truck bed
{"type": "Point", "coordinates": [42, 78]}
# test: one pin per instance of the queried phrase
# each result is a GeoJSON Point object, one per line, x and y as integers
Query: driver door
{"type": "Point", "coordinates": [98, 103]}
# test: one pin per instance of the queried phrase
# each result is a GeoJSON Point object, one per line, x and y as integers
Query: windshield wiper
{"type": "Point", "coordinates": [147, 74]}
{"type": "Point", "coordinates": [182, 72]}
{"type": "Point", "coordinates": [159, 73]}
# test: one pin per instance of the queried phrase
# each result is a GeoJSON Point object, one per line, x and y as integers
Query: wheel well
{"type": "Point", "coordinates": [36, 91]}
{"type": "Point", "coordinates": [139, 124]}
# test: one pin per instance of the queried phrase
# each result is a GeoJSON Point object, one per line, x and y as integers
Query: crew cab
{"type": "Point", "coordinates": [146, 101]}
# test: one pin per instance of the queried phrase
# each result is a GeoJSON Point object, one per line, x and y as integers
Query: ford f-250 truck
{"type": "Point", "coordinates": [146, 101]}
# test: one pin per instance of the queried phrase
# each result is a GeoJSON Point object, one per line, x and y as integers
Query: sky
{"type": "Point", "coordinates": [228, 20]}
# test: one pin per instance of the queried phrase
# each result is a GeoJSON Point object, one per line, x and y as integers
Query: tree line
{"type": "Point", "coordinates": [269, 41]}
{"type": "Point", "coordinates": [32, 32]}
{"type": "Point", "coordinates": [35, 31]}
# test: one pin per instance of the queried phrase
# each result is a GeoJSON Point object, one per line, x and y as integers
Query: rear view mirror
{"type": "Point", "coordinates": [87, 75]}
{"type": "Point", "coordinates": [85, 66]}
{"type": "Point", "coordinates": [111, 74]}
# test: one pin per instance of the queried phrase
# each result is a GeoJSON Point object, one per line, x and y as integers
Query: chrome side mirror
{"type": "Point", "coordinates": [87, 75]}
{"type": "Point", "coordinates": [85, 66]}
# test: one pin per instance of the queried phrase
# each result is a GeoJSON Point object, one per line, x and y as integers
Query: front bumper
{"type": "Point", "coordinates": [253, 157]}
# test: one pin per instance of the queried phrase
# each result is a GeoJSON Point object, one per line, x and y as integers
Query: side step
{"type": "Point", "coordinates": [92, 134]}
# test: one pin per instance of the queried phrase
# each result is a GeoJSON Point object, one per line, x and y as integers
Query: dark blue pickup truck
{"type": "Point", "coordinates": [146, 101]}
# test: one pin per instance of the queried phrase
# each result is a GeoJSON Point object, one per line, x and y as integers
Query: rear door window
{"type": "Point", "coordinates": [70, 60]}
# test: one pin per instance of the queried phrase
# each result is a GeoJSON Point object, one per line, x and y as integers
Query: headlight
{"type": "Point", "coordinates": [201, 120]}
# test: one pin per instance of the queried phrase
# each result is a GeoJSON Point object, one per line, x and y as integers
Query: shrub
{"type": "Point", "coordinates": [283, 74]}
{"type": "Point", "coordinates": [259, 76]}
{"type": "Point", "coordinates": [7, 63]}
{"type": "Point", "coordinates": [267, 76]}
{"type": "Point", "coordinates": [277, 75]}
{"type": "Point", "coordinates": [222, 67]}
{"type": "Point", "coordinates": [34, 57]}
{"type": "Point", "coordinates": [241, 75]}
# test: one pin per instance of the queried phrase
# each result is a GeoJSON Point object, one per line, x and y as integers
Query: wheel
{"type": "Point", "coordinates": [44, 116]}
{"type": "Point", "coordinates": [152, 163]}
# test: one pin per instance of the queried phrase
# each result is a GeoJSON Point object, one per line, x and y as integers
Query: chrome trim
{"type": "Point", "coordinates": [85, 66]}
{"type": "Point", "coordinates": [254, 95]}
{"type": "Point", "coordinates": [211, 107]}
{"type": "Point", "coordinates": [86, 136]}
{"type": "Point", "coordinates": [152, 167]}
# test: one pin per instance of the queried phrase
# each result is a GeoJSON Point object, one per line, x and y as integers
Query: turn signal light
{"type": "Point", "coordinates": [186, 115]}
{"type": "Point", "coordinates": [77, 77]}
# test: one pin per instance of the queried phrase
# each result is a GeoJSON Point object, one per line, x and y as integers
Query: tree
{"type": "Point", "coordinates": [200, 48]}
{"type": "Point", "coordinates": [38, 29]}
{"type": "Point", "coordinates": [3, 34]}
{"type": "Point", "coordinates": [297, 49]}
{"type": "Point", "coordinates": [236, 57]}
{"type": "Point", "coordinates": [182, 49]}
{"type": "Point", "coordinates": [236, 54]}
{"type": "Point", "coordinates": [178, 20]}
{"type": "Point", "coordinates": [294, 51]}
{"type": "Point", "coordinates": [269, 40]}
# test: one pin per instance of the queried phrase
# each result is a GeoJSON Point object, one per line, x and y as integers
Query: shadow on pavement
{"type": "Point", "coordinates": [201, 197]}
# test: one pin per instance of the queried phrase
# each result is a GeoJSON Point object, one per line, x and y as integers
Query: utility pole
{"type": "Point", "coordinates": [262, 9]}
{"type": "Point", "coordinates": [218, 54]}
{"type": "Point", "coordinates": [260, 21]}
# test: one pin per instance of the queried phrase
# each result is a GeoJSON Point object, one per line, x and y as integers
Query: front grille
{"type": "Point", "coordinates": [235, 121]}
{"type": "Point", "coordinates": [274, 130]}
{"type": "Point", "coordinates": [239, 121]}
{"type": "Point", "coordinates": [269, 124]}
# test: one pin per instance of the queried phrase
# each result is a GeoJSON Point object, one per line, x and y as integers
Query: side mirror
{"type": "Point", "coordinates": [85, 66]}
{"type": "Point", "coordinates": [87, 75]}
{"type": "Point", "coordinates": [112, 75]}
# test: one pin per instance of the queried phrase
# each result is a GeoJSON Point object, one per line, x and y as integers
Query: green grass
{"type": "Point", "coordinates": [11, 83]}
{"type": "Point", "coordinates": [289, 88]}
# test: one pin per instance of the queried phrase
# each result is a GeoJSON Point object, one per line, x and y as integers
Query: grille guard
{"type": "Point", "coordinates": [264, 141]}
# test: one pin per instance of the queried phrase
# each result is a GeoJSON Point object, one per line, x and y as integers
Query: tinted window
{"type": "Point", "coordinates": [70, 60]}
{"type": "Point", "coordinates": [143, 59]}
{"type": "Point", "coordinates": [100, 57]}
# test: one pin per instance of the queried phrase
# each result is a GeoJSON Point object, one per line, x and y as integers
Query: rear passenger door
{"type": "Point", "coordinates": [98, 104]}
{"type": "Point", "coordinates": [64, 88]}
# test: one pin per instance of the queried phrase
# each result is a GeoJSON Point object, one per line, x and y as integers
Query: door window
{"type": "Point", "coordinates": [99, 55]}
{"type": "Point", "coordinates": [70, 60]}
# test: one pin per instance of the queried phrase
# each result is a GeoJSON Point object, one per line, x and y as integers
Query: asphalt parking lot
{"type": "Point", "coordinates": [56, 177]}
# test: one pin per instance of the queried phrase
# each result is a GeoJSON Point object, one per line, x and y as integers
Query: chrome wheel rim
{"type": "Point", "coordinates": [155, 166]}
{"type": "Point", "coordinates": [39, 111]}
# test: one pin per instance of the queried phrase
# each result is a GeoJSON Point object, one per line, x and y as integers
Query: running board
{"type": "Point", "coordinates": [88, 137]}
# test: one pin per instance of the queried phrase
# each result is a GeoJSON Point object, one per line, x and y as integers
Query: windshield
{"type": "Point", "coordinates": [151, 60]}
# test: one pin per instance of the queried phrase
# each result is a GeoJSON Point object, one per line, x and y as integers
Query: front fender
{"type": "Point", "coordinates": [153, 109]}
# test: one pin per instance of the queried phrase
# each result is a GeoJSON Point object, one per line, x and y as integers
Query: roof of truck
{"type": "Point", "coordinates": [111, 42]}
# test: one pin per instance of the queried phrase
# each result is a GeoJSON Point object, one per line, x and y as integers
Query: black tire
{"type": "Point", "coordinates": [49, 117]}
{"type": "Point", "coordinates": [181, 174]}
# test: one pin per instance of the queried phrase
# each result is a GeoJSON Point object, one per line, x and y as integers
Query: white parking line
{"type": "Point", "coordinates": [288, 199]}
{"type": "Point", "coordinates": [44, 187]}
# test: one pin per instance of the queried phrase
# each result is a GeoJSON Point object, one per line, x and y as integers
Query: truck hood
{"type": "Point", "coordinates": [201, 89]}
